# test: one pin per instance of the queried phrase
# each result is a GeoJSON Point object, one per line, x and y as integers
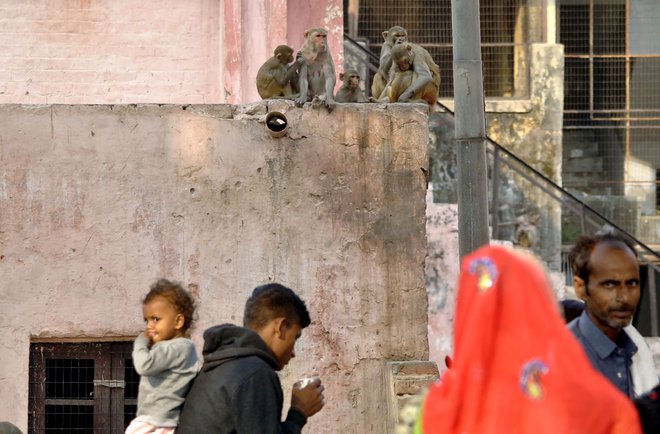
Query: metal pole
{"type": "Point", "coordinates": [353, 11]}
{"type": "Point", "coordinates": [470, 131]}
{"type": "Point", "coordinates": [551, 21]}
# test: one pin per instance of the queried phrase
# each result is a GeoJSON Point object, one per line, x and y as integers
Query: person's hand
{"type": "Point", "coordinates": [142, 336]}
{"type": "Point", "coordinates": [309, 399]}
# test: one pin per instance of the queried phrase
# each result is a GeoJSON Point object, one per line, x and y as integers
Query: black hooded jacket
{"type": "Point", "coordinates": [238, 389]}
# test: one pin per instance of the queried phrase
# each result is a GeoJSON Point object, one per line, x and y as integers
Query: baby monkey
{"type": "Point", "coordinates": [350, 90]}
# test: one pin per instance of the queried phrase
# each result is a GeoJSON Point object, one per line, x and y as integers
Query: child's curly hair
{"type": "Point", "coordinates": [180, 299]}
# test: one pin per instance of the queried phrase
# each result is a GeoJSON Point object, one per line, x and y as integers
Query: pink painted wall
{"type": "Point", "coordinates": [109, 51]}
{"type": "Point", "coordinates": [327, 14]}
{"type": "Point", "coordinates": [157, 51]}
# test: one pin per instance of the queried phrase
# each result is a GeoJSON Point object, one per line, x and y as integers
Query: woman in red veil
{"type": "Point", "coordinates": [516, 368]}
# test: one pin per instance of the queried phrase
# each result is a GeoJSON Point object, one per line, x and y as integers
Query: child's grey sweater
{"type": "Point", "coordinates": [167, 370]}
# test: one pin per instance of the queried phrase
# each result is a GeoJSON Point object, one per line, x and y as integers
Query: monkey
{"type": "Point", "coordinates": [414, 76]}
{"type": "Point", "coordinates": [276, 78]}
{"type": "Point", "coordinates": [350, 90]}
{"type": "Point", "coordinates": [317, 71]}
{"type": "Point", "coordinates": [395, 35]}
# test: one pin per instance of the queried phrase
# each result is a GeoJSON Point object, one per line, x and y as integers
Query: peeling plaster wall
{"type": "Point", "coordinates": [442, 270]}
{"type": "Point", "coordinates": [98, 201]}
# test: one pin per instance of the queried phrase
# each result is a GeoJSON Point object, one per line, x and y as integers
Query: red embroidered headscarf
{"type": "Point", "coordinates": [517, 368]}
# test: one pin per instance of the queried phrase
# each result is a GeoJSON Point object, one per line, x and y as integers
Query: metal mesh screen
{"type": "Point", "coordinates": [81, 388]}
{"type": "Point", "coordinates": [612, 103]}
{"type": "Point", "coordinates": [428, 22]}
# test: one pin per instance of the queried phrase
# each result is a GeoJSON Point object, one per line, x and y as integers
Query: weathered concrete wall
{"type": "Point", "coordinates": [151, 51]}
{"type": "Point", "coordinates": [98, 201]}
{"type": "Point", "coordinates": [442, 270]}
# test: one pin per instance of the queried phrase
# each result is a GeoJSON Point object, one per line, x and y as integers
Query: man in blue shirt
{"type": "Point", "coordinates": [606, 278]}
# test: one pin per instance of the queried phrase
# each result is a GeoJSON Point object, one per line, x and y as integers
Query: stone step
{"type": "Point", "coordinates": [581, 153]}
{"type": "Point", "coordinates": [404, 380]}
{"type": "Point", "coordinates": [584, 165]}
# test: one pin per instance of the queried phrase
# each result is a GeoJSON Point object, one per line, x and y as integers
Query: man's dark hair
{"type": "Point", "coordinates": [572, 309]}
{"type": "Point", "coordinates": [178, 297]}
{"type": "Point", "coordinates": [271, 301]}
{"type": "Point", "coordinates": [579, 255]}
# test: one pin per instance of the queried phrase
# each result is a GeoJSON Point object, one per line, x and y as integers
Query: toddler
{"type": "Point", "coordinates": [164, 357]}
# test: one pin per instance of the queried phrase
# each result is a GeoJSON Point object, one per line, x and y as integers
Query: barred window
{"type": "Point", "coordinates": [80, 388]}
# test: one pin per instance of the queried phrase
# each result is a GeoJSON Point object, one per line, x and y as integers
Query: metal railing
{"type": "Point", "coordinates": [577, 218]}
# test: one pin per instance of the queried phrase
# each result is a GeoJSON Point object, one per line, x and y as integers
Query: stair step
{"type": "Point", "coordinates": [584, 165]}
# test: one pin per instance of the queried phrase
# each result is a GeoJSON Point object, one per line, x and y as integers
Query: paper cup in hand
{"type": "Point", "coordinates": [304, 382]}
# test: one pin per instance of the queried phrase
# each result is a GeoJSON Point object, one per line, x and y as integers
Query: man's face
{"type": "Point", "coordinates": [284, 346]}
{"type": "Point", "coordinates": [612, 293]}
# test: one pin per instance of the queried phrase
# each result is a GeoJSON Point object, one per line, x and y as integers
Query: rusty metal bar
{"type": "Point", "coordinates": [605, 127]}
{"type": "Point", "coordinates": [609, 56]}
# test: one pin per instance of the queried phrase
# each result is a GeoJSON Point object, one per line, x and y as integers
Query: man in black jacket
{"type": "Point", "coordinates": [238, 389]}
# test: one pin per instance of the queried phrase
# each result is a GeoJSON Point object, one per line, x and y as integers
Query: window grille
{"type": "Point", "coordinates": [612, 101]}
{"type": "Point", "coordinates": [81, 388]}
{"type": "Point", "coordinates": [428, 23]}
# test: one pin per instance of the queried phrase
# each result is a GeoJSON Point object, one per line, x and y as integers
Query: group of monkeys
{"type": "Point", "coordinates": [406, 73]}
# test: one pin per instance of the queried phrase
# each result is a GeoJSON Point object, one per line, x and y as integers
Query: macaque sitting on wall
{"type": "Point", "coordinates": [395, 35]}
{"type": "Point", "coordinates": [278, 76]}
{"type": "Point", "coordinates": [317, 71]}
{"type": "Point", "coordinates": [414, 76]}
{"type": "Point", "coordinates": [350, 90]}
